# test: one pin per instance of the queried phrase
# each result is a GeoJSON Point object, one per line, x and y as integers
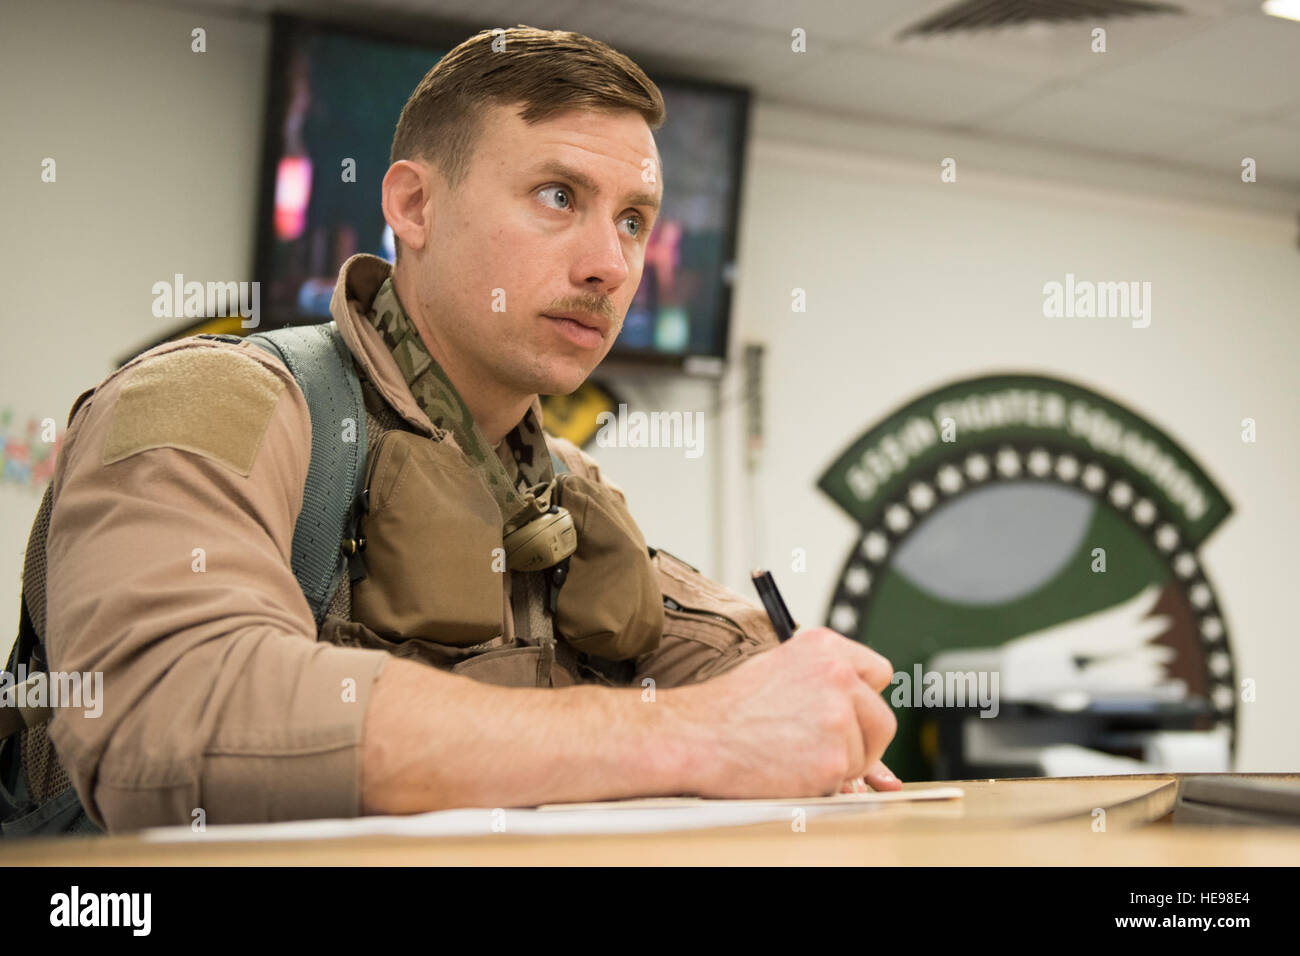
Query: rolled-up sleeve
{"type": "Point", "coordinates": [169, 574]}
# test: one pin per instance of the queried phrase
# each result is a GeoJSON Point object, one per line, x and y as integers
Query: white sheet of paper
{"type": "Point", "coordinates": [651, 815]}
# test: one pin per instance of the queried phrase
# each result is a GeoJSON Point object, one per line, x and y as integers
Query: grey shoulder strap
{"type": "Point", "coordinates": [322, 365]}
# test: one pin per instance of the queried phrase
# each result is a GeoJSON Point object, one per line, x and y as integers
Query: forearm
{"type": "Point", "coordinates": [434, 741]}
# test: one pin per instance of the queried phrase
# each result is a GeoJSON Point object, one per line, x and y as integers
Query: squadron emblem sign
{"type": "Point", "coordinates": [1012, 505]}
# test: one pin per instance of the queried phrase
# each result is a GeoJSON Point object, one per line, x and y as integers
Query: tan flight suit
{"type": "Point", "coordinates": [174, 504]}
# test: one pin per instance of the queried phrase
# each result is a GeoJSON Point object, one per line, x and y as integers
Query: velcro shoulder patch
{"type": "Point", "coordinates": [212, 401]}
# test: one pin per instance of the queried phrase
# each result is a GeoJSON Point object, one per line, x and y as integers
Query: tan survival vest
{"type": "Point", "coordinates": [437, 579]}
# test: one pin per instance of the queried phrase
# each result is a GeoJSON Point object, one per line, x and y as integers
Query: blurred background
{"type": "Point", "coordinates": [880, 281]}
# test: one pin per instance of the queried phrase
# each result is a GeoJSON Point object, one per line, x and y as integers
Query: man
{"type": "Point", "coordinates": [518, 198]}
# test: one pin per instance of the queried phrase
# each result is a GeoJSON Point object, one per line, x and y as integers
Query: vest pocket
{"type": "Point", "coordinates": [693, 624]}
{"type": "Point", "coordinates": [610, 605]}
{"type": "Point", "coordinates": [431, 537]}
{"type": "Point", "coordinates": [704, 610]}
{"type": "Point", "coordinates": [507, 667]}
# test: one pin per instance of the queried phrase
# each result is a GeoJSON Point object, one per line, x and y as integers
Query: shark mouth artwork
{"type": "Point", "coordinates": [1028, 563]}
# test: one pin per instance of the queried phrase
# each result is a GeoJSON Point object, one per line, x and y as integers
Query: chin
{"type": "Point", "coordinates": [562, 387]}
{"type": "Point", "coordinates": [564, 381]}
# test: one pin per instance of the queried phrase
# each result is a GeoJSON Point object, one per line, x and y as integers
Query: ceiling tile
{"type": "Point", "coordinates": [1100, 120]}
{"type": "Point", "coordinates": [1291, 118]}
{"type": "Point", "coordinates": [686, 44]}
{"type": "Point", "coordinates": [1247, 64]}
{"type": "Point", "coordinates": [883, 85]}
{"type": "Point", "coordinates": [1275, 149]}
{"type": "Point", "coordinates": [485, 14]}
{"type": "Point", "coordinates": [838, 20]}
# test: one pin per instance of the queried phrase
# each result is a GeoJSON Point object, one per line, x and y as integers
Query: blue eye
{"type": "Point", "coordinates": [640, 225]}
{"type": "Point", "coordinates": [561, 191]}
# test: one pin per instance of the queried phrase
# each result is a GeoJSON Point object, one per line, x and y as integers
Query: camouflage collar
{"type": "Point", "coordinates": [531, 470]}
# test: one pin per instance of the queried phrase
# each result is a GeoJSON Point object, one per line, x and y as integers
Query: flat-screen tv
{"type": "Point", "coordinates": [334, 97]}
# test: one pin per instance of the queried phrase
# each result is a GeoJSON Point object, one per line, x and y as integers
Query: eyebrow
{"type": "Point", "coordinates": [581, 179]}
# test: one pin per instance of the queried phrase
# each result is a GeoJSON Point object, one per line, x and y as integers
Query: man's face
{"type": "Point", "coordinates": [550, 219]}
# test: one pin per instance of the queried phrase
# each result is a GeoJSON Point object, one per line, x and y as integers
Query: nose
{"type": "Point", "coordinates": [601, 265]}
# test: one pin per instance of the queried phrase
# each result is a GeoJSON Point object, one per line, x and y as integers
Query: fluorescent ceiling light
{"type": "Point", "coordinates": [1287, 9]}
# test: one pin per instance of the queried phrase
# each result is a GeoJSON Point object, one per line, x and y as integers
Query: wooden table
{"type": "Point", "coordinates": [1040, 821]}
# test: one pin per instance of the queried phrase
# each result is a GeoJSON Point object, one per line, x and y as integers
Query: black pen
{"type": "Point", "coordinates": [777, 612]}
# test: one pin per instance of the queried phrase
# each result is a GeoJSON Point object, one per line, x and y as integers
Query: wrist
{"type": "Point", "coordinates": [682, 738]}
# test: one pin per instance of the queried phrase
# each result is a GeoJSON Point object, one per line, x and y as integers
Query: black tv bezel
{"type": "Point", "coordinates": [436, 32]}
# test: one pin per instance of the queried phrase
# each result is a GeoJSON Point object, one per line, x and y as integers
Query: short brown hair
{"type": "Point", "coordinates": [548, 71]}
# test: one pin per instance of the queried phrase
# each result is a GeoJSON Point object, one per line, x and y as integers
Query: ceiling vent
{"type": "Point", "coordinates": [994, 14]}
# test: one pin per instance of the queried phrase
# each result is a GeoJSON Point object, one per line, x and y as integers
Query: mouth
{"type": "Point", "coordinates": [580, 328]}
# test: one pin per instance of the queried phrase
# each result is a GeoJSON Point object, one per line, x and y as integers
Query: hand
{"type": "Point", "coordinates": [798, 720]}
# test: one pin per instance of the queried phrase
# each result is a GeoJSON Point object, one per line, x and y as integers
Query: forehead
{"type": "Point", "coordinates": [619, 138]}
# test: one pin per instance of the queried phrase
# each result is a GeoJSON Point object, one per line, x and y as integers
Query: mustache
{"type": "Point", "coordinates": [601, 305]}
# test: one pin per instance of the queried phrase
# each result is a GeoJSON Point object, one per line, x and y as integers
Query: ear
{"type": "Point", "coordinates": [408, 190]}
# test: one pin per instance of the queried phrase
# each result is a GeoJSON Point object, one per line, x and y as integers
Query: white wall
{"type": "Point", "coordinates": [157, 154]}
{"type": "Point", "coordinates": [910, 283]}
